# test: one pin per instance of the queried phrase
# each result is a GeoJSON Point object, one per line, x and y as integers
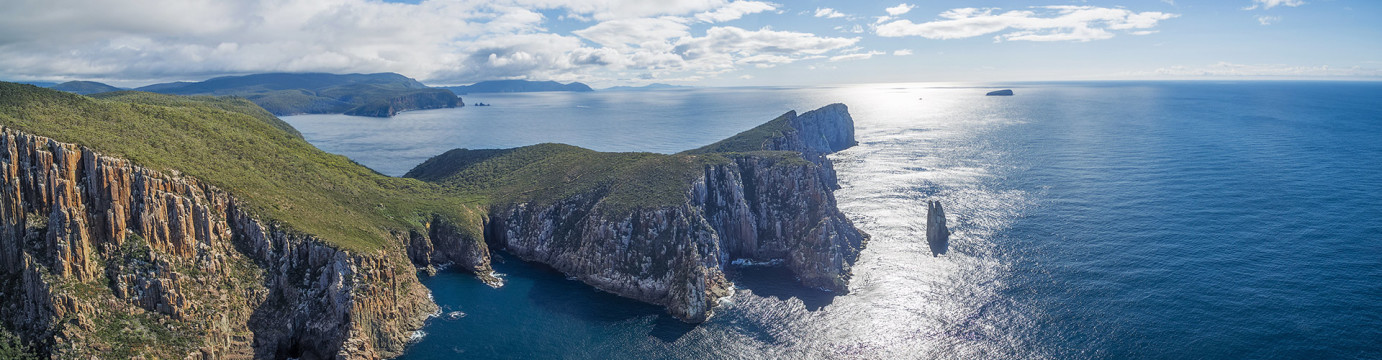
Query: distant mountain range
{"type": "Point", "coordinates": [511, 86]}
{"type": "Point", "coordinates": [653, 86]}
{"type": "Point", "coordinates": [84, 87]}
{"type": "Point", "coordinates": [379, 95]}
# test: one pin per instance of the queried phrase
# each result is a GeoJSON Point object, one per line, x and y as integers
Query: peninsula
{"type": "Point", "coordinates": [377, 95]}
{"type": "Point", "coordinates": [123, 238]}
{"type": "Point", "coordinates": [512, 86]}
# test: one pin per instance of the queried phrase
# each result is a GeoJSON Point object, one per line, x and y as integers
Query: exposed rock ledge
{"type": "Point", "coordinates": [759, 205]}
{"type": "Point", "coordinates": [92, 245]}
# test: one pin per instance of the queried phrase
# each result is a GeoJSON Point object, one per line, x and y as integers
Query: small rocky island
{"type": "Point", "coordinates": [1004, 92]}
{"type": "Point", "coordinates": [937, 234]}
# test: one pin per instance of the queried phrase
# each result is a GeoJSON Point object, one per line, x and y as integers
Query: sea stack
{"type": "Point", "coordinates": [1004, 92]}
{"type": "Point", "coordinates": [937, 235]}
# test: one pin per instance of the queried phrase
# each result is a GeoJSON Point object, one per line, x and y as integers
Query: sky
{"type": "Point", "coordinates": [693, 42]}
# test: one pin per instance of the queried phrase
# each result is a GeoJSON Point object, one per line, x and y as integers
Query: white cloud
{"type": "Point", "coordinates": [737, 41]}
{"type": "Point", "coordinates": [855, 29]}
{"type": "Point", "coordinates": [136, 42]}
{"type": "Point", "coordinates": [1268, 4]}
{"type": "Point", "coordinates": [622, 9]}
{"type": "Point", "coordinates": [636, 32]}
{"type": "Point", "coordinates": [735, 10]}
{"type": "Point", "coordinates": [828, 13]}
{"type": "Point", "coordinates": [1268, 20]}
{"type": "Point", "coordinates": [858, 56]}
{"type": "Point", "coordinates": [1227, 69]}
{"type": "Point", "coordinates": [1045, 23]}
{"type": "Point", "coordinates": [903, 52]}
{"type": "Point", "coordinates": [900, 9]}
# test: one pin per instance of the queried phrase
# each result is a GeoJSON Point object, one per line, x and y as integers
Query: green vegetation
{"type": "Point", "coordinates": [754, 139]}
{"type": "Point", "coordinates": [280, 176]}
{"type": "Point", "coordinates": [227, 103]}
{"type": "Point", "coordinates": [313, 93]}
{"type": "Point", "coordinates": [13, 349]}
{"type": "Point", "coordinates": [546, 173]}
{"type": "Point", "coordinates": [147, 334]}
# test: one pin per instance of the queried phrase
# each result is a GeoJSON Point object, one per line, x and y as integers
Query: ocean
{"type": "Point", "coordinates": [1150, 220]}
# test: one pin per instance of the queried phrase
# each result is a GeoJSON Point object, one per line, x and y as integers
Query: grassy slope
{"type": "Point", "coordinates": [232, 104]}
{"type": "Point", "coordinates": [281, 176]}
{"type": "Point", "coordinates": [308, 93]}
{"type": "Point", "coordinates": [549, 172]}
{"type": "Point", "coordinates": [750, 140]}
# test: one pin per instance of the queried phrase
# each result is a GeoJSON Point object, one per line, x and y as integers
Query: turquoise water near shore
{"type": "Point", "coordinates": [1218, 220]}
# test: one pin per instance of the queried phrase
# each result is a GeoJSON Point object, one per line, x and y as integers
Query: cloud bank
{"type": "Point", "coordinates": [440, 42]}
{"type": "Point", "coordinates": [1041, 23]}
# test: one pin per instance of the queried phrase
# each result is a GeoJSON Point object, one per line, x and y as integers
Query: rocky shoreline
{"type": "Point", "coordinates": [92, 246]}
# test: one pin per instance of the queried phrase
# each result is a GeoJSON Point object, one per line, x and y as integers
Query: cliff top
{"type": "Point", "coordinates": [226, 143]}
{"type": "Point", "coordinates": [827, 129]}
{"type": "Point", "coordinates": [548, 172]}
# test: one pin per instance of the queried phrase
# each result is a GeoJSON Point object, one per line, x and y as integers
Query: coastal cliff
{"type": "Point", "coordinates": [224, 235]}
{"type": "Point", "coordinates": [184, 244]}
{"type": "Point", "coordinates": [662, 228]}
{"type": "Point", "coordinates": [102, 257]}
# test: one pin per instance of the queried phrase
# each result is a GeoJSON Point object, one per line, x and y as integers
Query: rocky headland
{"type": "Point", "coordinates": [223, 235]}
{"type": "Point", "coordinates": [662, 228]}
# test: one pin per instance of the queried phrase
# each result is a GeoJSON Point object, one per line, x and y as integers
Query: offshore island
{"type": "Point", "coordinates": [168, 226]}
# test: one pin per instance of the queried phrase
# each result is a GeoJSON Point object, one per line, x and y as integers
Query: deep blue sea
{"type": "Point", "coordinates": [1163, 220]}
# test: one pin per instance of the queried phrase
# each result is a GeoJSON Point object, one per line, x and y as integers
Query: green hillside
{"type": "Point", "coordinates": [227, 103]}
{"type": "Point", "coordinates": [545, 173]}
{"type": "Point", "coordinates": [229, 144]}
{"type": "Point", "coordinates": [382, 94]}
{"type": "Point", "coordinates": [752, 139]}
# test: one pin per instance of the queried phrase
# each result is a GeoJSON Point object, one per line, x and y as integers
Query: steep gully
{"type": "Point", "coordinates": [88, 239]}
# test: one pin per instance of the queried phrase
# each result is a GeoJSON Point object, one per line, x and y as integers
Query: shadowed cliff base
{"type": "Point", "coordinates": [661, 228]}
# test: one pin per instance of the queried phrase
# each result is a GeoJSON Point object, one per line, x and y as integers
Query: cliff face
{"type": "Point", "coordinates": [765, 205]}
{"type": "Point", "coordinates": [103, 258]}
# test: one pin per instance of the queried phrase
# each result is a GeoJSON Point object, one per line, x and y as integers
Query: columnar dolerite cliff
{"type": "Point", "coordinates": [215, 233]}
{"type": "Point", "coordinates": [76, 223]}
{"type": "Point", "coordinates": [158, 226]}
{"type": "Point", "coordinates": [661, 228]}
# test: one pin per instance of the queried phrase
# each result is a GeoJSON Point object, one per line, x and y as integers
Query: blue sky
{"type": "Point", "coordinates": [694, 42]}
